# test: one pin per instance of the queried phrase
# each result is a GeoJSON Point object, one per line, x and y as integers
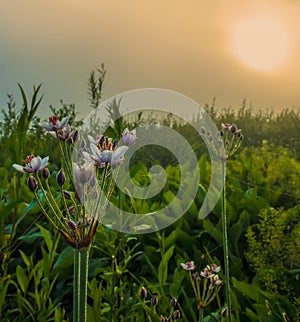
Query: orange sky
{"type": "Point", "coordinates": [198, 48]}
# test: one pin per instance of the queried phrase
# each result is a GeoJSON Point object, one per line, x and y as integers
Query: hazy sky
{"type": "Point", "coordinates": [201, 48]}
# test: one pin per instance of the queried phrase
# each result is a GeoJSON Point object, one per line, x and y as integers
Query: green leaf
{"type": "Point", "coordinates": [64, 263]}
{"type": "Point", "coordinates": [163, 267]}
{"type": "Point", "coordinates": [23, 97]}
{"type": "Point", "coordinates": [3, 292]}
{"type": "Point", "coordinates": [22, 278]}
{"type": "Point", "coordinates": [47, 237]}
{"type": "Point", "coordinates": [25, 259]}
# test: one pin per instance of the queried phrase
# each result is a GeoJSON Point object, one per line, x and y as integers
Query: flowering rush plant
{"type": "Point", "coordinates": [78, 184]}
{"type": "Point", "coordinates": [206, 284]}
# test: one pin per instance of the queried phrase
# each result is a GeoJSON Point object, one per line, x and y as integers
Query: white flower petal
{"type": "Point", "coordinates": [18, 167]}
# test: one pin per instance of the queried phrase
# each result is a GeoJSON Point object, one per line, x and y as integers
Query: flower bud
{"type": "Point", "coordinates": [60, 177]}
{"type": "Point", "coordinates": [224, 312]}
{"type": "Point", "coordinates": [143, 293]}
{"type": "Point", "coordinates": [233, 128]}
{"type": "Point", "coordinates": [71, 209]}
{"type": "Point", "coordinates": [173, 301]}
{"type": "Point", "coordinates": [72, 225]}
{"type": "Point", "coordinates": [46, 173]}
{"type": "Point", "coordinates": [67, 194]}
{"type": "Point", "coordinates": [176, 315]}
{"type": "Point", "coordinates": [154, 299]}
{"type": "Point", "coordinates": [32, 183]}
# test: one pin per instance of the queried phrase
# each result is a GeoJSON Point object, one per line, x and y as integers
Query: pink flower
{"type": "Point", "coordinates": [206, 273]}
{"type": "Point", "coordinates": [100, 157]}
{"type": "Point", "coordinates": [188, 266]}
{"type": "Point", "coordinates": [215, 268]}
{"type": "Point", "coordinates": [55, 124]}
{"type": "Point", "coordinates": [32, 164]}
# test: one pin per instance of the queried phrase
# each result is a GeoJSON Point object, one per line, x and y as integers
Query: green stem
{"type": "Point", "coordinates": [76, 279]}
{"type": "Point", "coordinates": [225, 241]}
{"type": "Point", "coordinates": [201, 315]}
{"type": "Point", "coordinates": [81, 264]}
{"type": "Point", "coordinates": [83, 275]}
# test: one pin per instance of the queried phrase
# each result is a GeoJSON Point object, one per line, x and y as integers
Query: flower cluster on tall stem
{"type": "Point", "coordinates": [230, 138]}
{"type": "Point", "coordinates": [69, 215]}
{"type": "Point", "coordinates": [206, 284]}
{"type": "Point", "coordinates": [67, 212]}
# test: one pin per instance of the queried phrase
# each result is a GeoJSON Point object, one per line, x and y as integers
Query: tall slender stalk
{"type": "Point", "coordinates": [76, 279]}
{"type": "Point", "coordinates": [83, 279]}
{"type": "Point", "coordinates": [225, 241]}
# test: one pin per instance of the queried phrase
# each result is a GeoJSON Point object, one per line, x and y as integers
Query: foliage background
{"type": "Point", "coordinates": [263, 191]}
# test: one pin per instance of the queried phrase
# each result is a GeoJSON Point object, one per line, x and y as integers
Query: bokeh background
{"type": "Point", "coordinates": [229, 50]}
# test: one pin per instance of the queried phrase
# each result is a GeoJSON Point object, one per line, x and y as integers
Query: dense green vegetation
{"type": "Point", "coordinates": [262, 195]}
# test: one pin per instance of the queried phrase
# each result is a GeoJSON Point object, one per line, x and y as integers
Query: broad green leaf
{"type": "Point", "coordinates": [22, 278]}
{"type": "Point", "coordinates": [163, 266]}
{"type": "Point", "coordinates": [47, 236]}
{"type": "Point", "coordinates": [25, 259]}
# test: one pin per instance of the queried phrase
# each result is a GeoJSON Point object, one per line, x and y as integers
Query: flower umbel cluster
{"type": "Point", "coordinates": [230, 137]}
{"type": "Point", "coordinates": [66, 211]}
{"type": "Point", "coordinates": [206, 284]}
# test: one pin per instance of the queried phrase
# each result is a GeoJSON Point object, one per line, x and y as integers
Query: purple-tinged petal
{"type": "Point", "coordinates": [107, 155]}
{"type": "Point", "coordinates": [35, 164]}
{"type": "Point", "coordinates": [95, 151]}
{"type": "Point", "coordinates": [44, 163]}
{"type": "Point", "coordinates": [46, 126]}
{"type": "Point", "coordinates": [118, 156]}
{"type": "Point", "coordinates": [63, 122]}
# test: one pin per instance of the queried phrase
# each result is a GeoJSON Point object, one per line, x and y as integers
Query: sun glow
{"type": "Point", "coordinates": [260, 43]}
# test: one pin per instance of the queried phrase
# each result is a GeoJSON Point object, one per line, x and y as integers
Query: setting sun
{"type": "Point", "coordinates": [260, 43]}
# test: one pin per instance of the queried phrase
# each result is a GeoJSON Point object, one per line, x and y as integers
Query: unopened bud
{"type": "Point", "coordinates": [60, 177]}
{"type": "Point", "coordinates": [143, 293]}
{"type": "Point", "coordinates": [173, 301]}
{"type": "Point", "coordinates": [224, 312]}
{"type": "Point", "coordinates": [71, 209]}
{"type": "Point", "coordinates": [176, 315]}
{"type": "Point", "coordinates": [32, 183]}
{"type": "Point", "coordinates": [72, 225]}
{"type": "Point", "coordinates": [154, 299]}
{"type": "Point", "coordinates": [67, 194]}
{"type": "Point", "coordinates": [46, 173]}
